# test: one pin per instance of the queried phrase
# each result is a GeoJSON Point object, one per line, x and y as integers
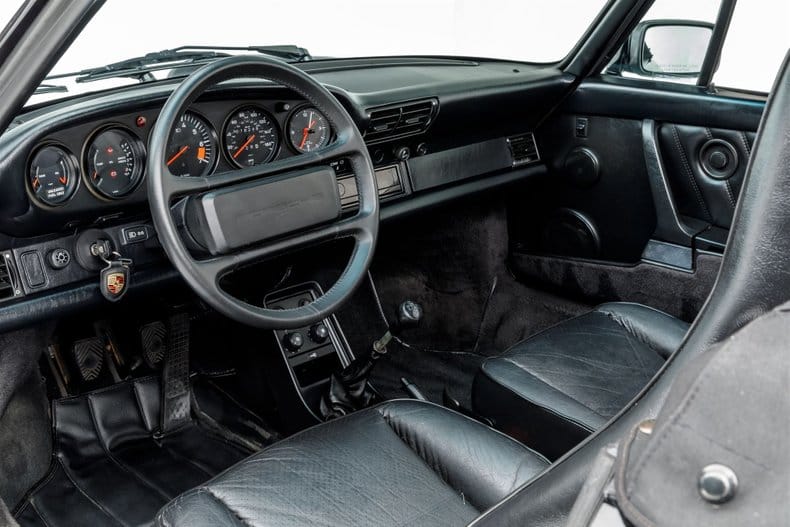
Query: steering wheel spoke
{"type": "Point", "coordinates": [296, 198]}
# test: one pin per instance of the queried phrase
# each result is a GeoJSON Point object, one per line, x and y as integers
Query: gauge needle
{"type": "Point", "coordinates": [249, 140]}
{"type": "Point", "coordinates": [177, 155]}
{"type": "Point", "coordinates": [306, 133]}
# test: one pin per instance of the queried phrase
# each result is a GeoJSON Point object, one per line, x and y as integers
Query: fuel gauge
{"type": "Point", "coordinates": [53, 175]}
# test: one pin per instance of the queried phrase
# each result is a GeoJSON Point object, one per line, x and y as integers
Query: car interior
{"type": "Point", "coordinates": [381, 291]}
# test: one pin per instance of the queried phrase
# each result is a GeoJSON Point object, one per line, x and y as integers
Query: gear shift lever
{"type": "Point", "coordinates": [349, 390]}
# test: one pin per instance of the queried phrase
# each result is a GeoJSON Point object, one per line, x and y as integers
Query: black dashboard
{"type": "Point", "coordinates": [436, 129]}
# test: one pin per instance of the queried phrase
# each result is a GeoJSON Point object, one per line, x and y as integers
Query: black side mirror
{"type": "Point", "coordinates": [664, 49]}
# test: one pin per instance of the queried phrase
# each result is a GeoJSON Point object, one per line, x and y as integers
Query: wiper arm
{"type": "Point", "coordinates": [142, 68]}
{"type": "Point", "coordinates": [50, 88]}
{"type": "Point", "coordinates": [288, 52]}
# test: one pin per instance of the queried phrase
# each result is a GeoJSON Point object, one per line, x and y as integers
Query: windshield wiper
{"type": "Point", "coordinates": [142, 68]}
{"type": "Point", "coordinates": [50, 88]}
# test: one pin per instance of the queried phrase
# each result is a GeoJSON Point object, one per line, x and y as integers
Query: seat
{"type": "Point", "coordinates": [552, 390]}
{"type": "Point", "coordinates": [403, 462]}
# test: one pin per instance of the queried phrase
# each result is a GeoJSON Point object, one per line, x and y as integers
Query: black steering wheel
{"type": "Point", "coordinates": [243, 216]}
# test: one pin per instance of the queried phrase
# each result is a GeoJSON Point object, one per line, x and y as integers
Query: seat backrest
{"type": "Point", "coordinates": [754, 278]}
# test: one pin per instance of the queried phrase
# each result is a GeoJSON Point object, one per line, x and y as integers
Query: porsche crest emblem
{"type": "Point", "coordinates": [115, 282]}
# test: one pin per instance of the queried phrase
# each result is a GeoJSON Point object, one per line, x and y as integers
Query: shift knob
{"type": "Point", "coordinates": [409, 314]}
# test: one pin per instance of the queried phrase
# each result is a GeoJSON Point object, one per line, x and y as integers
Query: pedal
{"type": "Point", "coordinates": [89, 355]}
{"type": "Point", "coordinates": [176, 407]}
{"type": "Point", "coordinates": [153, 338]}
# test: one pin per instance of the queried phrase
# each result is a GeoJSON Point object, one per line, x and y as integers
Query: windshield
{"type": "Point", "coordinates": [529, 31]}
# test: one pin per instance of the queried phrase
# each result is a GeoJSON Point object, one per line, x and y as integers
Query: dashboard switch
{"type": "Point", "coordinates": [293, 341]}
{"type": "Point", "coordinates": [402, 153]}
{"type": "Point", "coordinates": [59, 258]}
{"type": "Point", "coordinates": [319, 333]}
{"type": "Point", "coordinates": [136, 234]}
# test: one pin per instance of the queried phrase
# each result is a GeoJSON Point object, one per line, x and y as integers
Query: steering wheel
{"type": "Point", "coordinates": [247, 215]}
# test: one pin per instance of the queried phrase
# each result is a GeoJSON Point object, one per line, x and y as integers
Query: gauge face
{"type": "Point", "coordinates": [53, 175]}
{"type": "Point", "coordinates": [251, 137]}
{"type": "Point", "coordinates": [192, 147]}
{"type": "Point", "coordinates": [308, 130]}
{"type": "Point", "coordinates": [114, 161]}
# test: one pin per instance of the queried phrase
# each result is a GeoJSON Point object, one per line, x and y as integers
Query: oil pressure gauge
{"type": "Point", "coordinates": [52, 175]}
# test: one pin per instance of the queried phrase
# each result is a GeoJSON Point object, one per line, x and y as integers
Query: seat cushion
{"type": "Point", "coordinates": [552, 390]}
{"type": "Point", "coordinates": [403, 462]}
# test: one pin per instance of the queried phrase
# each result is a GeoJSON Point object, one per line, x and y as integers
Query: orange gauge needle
{"type": "Point", "coordinates": [305, 133]}
{"type": "Point", "coordinates": [249, 140]}
{"type": "Point", "coordinates": [177, 155]}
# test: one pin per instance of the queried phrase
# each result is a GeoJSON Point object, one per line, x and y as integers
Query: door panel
{"type": "Point", "coordinates": [642, 185]}
{"type": "Point", "coordinates": [705, 168]}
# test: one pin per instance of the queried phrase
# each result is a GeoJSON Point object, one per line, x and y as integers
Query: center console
{"type": "Point", "coordinates": [311, 353]}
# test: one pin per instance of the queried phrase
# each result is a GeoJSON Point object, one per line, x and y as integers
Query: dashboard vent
{"type": "Point", "coordinates": [523, 149]}
{"type": "Point", "coordinates": [8, 278]}
{"type": "Point", "coordinates": [401, 120]}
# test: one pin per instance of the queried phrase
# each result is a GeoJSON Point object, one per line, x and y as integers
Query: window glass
{"type": "Point", "coordinates": [756, 43]}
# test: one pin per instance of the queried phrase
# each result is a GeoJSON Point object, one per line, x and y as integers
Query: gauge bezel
{"type": "Point", "coordinates": [74, 166]}
{"type": "Point", "coordinates": [214, 137]}
{"type": "Point", "coordinates": [139, 170]}
{"type": "Point", "coordinates": [287, 132]}
{"type": "Point", "coordinates": [270, 115]}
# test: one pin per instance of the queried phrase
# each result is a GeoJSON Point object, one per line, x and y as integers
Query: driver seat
{"type": "Point", "coordinates": [403, 462]}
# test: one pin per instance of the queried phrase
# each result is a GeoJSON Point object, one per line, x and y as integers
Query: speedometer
{"type": "Point", "coordinates": [192, 147]}
{"type": "Point", "coordinates": [251, 137]}
{"type": "Point", "coordinates": [114, 162]}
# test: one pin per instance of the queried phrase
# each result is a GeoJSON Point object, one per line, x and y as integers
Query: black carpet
{"type": "Point", "coordinates": [111, 468]}
{"type": "Point", "coordinates": [452, 262]}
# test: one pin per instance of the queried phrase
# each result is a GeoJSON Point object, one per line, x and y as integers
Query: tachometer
{"type": "Point", "coordinates": [114, 162]}
{"type": "Point", "coordinates": [53, 175]}
{"type": "Point", "coordinates": [192, 147]}
{"type": "Point", "coordinates": [308, 130]}
{"type": "Point", "coordinates": [251, 137]}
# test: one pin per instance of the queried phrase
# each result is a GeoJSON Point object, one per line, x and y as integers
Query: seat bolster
{"type": "Point", "coordinates": [481, 463]}
{"type": "Point", "coordinates": [197, 508]}
{"type": "Point", "coordinates": [538, 415]}
{"type": "Point", "coordinates": [523, 384]}
{"type": "Point", "coordinates": [660, 331]}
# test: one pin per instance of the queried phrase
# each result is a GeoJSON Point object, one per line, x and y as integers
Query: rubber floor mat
{"type": "Point", "coordinates": [110, 467]}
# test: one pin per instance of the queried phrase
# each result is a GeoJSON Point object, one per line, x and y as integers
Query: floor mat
{"type": "Point", "coordinates": [111, 468]}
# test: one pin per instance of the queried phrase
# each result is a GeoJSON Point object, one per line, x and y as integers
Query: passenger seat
{"type": "Point", "coordinates": [553, 389]}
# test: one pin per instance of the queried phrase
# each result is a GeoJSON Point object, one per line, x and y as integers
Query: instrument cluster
{"type": "Point", "coordinates": [207, 138]}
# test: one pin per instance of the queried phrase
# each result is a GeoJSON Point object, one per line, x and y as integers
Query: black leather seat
{"type": "Point", "coordinates": [403, 462]}
{"type": "Point", "coordinates": [552, 390]}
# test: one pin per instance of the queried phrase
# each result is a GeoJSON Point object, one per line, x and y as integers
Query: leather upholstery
{"type": "Point", "coordinates": [696, 192]}
{"type": "Point", "coordinates": [555, 388]}
{"type": "Point", "coordinates": [754, 278]}
{"type": "Point", "coordinates": [403, 462]}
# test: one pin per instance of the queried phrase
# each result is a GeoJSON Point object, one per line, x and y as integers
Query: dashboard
{"type": "Point", "coordinates": [436, 130]}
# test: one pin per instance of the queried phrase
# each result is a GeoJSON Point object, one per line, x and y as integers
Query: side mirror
{"type": "Point", "coordinates": [668, 49]}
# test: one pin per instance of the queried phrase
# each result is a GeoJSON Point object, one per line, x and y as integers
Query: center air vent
{"type": "Point", "coordinates": [8, 277]}
{"type": "Point", "coordinates": [401, 120]}
{"type": "Point", "coordinates": [523, 149]}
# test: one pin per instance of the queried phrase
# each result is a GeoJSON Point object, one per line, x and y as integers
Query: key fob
{"type": "Point", "coordinates": [114, 281]}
